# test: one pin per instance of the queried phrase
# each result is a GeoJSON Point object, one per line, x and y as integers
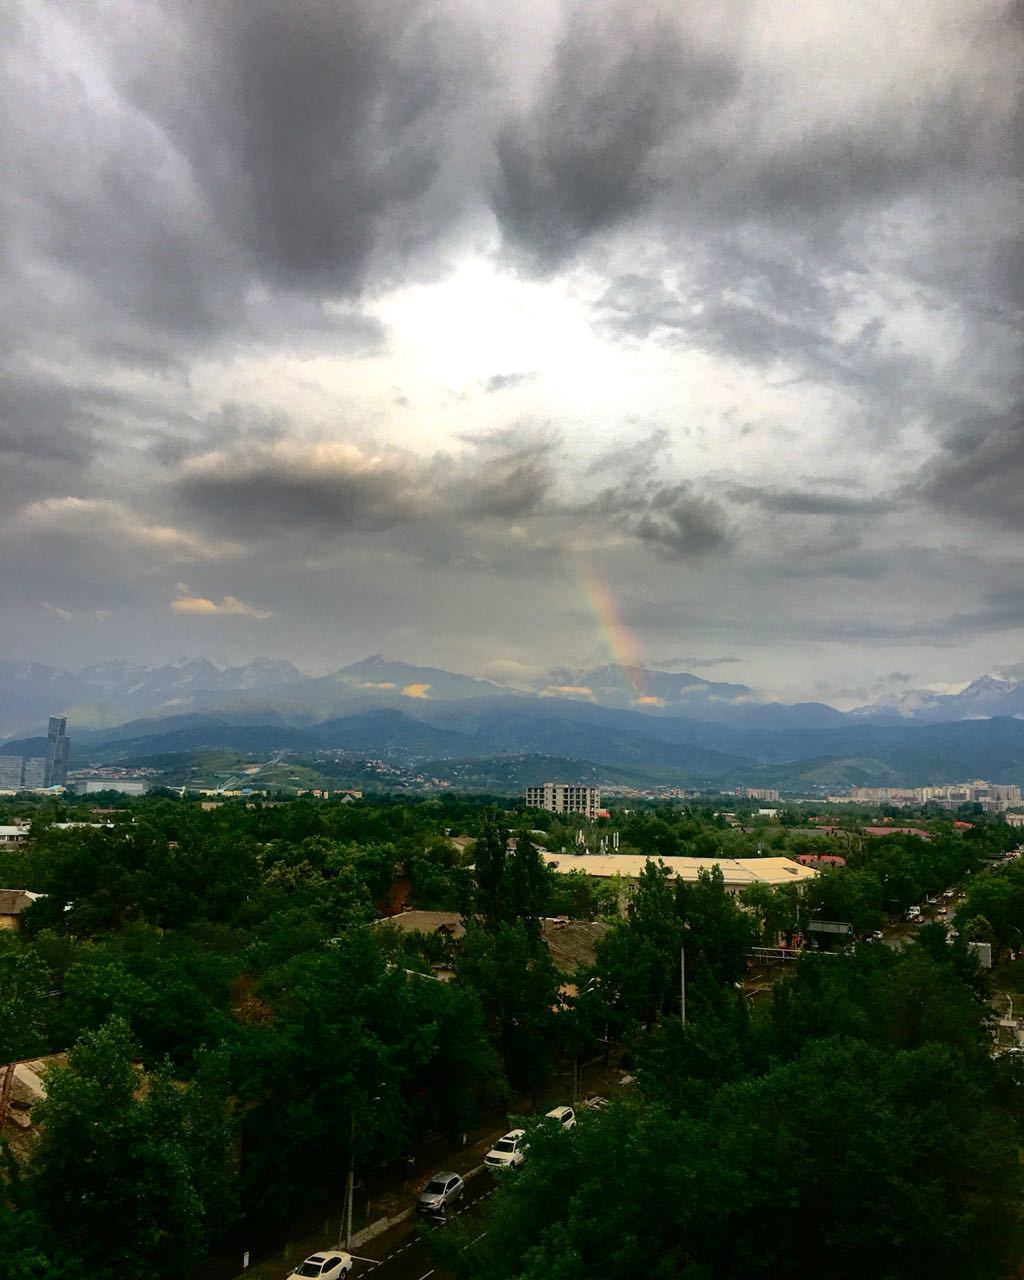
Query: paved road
{"type": "Point", "coordinates": [404, 1253]}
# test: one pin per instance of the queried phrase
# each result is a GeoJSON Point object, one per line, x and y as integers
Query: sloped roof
{"type": "Point", "coordinates": [14, 901]}
{"type": "Point", "coordinates": [426, 922]}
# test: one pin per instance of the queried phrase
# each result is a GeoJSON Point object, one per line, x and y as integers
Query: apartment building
{"type": "Point", "coordinates": [565, 797]}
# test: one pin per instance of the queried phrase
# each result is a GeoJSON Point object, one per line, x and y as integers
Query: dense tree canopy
{"type": "Point", "coordinates": [230, 1001]}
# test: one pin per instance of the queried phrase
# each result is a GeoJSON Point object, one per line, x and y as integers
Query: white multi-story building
{"type": "Point", "coordinates": [35, 773]}
{"type": "Point", "coordinates": [10, 773]}
{"type": "Point", "coordinates": [994, 797]}
{"type": "Point", "coordinates": [564, 797]}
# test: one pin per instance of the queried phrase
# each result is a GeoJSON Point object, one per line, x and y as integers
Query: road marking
{"type": "Point", "coordinates": [358, 1258]}
{"type": "Point", "coordinates": [426, 1275]}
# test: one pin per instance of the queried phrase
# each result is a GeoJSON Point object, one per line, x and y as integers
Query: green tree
{"type": "Point", "coordinates": [978, 929]}
{"type": "Point", "coordinates": [491, 853]}
{"type": "Point", "coordinates": [24, 986]}
{"type": "Point", "coordinates": [526, 888]}
{"type": "Point", "coordinates": [877, 1163]}
{"type": "Point", "coordinates": [111, 1178]}
{"type": "Point", "coordinates": [517, 986]}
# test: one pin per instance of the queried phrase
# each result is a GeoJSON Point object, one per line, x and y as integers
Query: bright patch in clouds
{"type": "Point", "coordinates": [226, 607]}
{"type": "Point", "coordinates": [416, 691]}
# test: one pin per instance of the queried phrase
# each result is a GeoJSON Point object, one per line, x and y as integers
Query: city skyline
{"type": "Point", "coordinates": [506, 337]}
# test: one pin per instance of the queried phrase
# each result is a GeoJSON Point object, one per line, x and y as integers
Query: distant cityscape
{"type": "Point", "coordinates": [994, 797]}
{"type": "Point", "coordinates": [40, 772]}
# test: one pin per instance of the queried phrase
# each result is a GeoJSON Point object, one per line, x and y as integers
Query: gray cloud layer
{"type": "Point", "coordinates": [792, 235]}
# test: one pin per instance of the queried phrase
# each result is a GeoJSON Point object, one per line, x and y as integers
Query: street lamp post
{"type": "Point", "coordinates": [350, 1180]}
{"type": "Point", "coordinates": [594, 982]}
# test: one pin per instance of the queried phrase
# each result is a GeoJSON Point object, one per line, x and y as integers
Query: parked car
{"type": "Point", "coordinates": [441, 1192]}
{"type": "Point", "coordinates": [949, 893]}
{"type": "Point", "coordinates": [565, 1116]}
{"type": "Point", "coordinates": [508, 1152]}
{"type": "Point", "coordinates": [330, 1265]}
{"type": "Point", "coordinates": [931, 900]}
{"type": "Point", "coordinates": [942, 911]}
{"type": "Point", "coordinates": [877, 936]}
{"type": "Point", "coordinates": [595, 1102]}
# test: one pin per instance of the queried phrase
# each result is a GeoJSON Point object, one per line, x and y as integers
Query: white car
{"type": "Point", "coordinates": [329, 1265]}
{"type": "Point", "coordinates": [565, 1116]}
{"type": "Point", "coordinates": [508, 1152]}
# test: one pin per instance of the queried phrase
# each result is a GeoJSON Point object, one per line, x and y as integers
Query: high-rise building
{"type": "Point", "coordinates": [10, 773]}
{"type": "Point", "coordinates": [58, 749]}
{"type": "Point", "coordinates": [35, 773]}
{"type": "Point", "coordinates": [562, 797]}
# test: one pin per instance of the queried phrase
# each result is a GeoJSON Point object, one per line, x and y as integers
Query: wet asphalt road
{"type": "Point", "coordinates": [404, 1252]}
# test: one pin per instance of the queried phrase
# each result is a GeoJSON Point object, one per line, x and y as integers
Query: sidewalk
{"type": "Point", "coordinates": [391, 1201]}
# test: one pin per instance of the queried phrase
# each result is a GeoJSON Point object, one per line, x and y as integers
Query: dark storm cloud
{"type": "Point", "coordinates": [980, 474]}
{"type": "Point", "coordinates": [673, 519]}
{"type": "Point", "coordinates": [315, 130]}
{"type": "Point", "coordinates": [586, 154]}
{"type": "Point", "coordinates": [281, 491]}
{"type": "Point", "coordinates": [508, 478]}
{"type": "Point", "coordinates": [244, 163]}
{"type": "Point", "coordinates": [799, 502]}
{"type": "Point", "coordinates": [338, 489]}
{"type": "Point", "coordinates": [637, 115]}
{"type": "Point", "coordinates": [37, 415]}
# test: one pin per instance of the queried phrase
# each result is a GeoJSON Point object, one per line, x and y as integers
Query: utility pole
{"type": "Point", "coordinates": [682, 986]}
{"type": "Point", "coordinates": [351, 1179]}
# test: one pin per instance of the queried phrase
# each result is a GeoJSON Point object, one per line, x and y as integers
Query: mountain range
{"type": "Point", "coordinates": [634, 722]}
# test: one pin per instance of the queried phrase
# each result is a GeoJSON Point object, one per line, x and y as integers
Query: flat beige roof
{"type": "Point", "coordinates": [738, 872]}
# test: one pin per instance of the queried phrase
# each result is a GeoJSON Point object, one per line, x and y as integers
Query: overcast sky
{"type": "Point", "coordinates": [500, 336]}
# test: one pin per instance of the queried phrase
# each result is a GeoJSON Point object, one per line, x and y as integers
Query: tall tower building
{"type": "Point", "coordinates": [58, 748]}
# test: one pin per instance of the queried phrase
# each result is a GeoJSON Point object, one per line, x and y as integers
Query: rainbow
{"type": "Point", "coordinates": [622, 644]}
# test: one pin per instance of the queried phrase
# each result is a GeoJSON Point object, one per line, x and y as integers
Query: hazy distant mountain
{"type": "Point", "coordinates": [384, 676]}
{"type": "Point", "coordinates": [677, 751]}
{"type": "Point", "coordinates": [664, 693]}
{"type": "Point", "coordinates": [641, 687]}
{"type": "Point", "coordinates": [987, 696]}
{"type": "Point", "coordinates": [113, 691]}
{"type": "Point", "coordinates": [653, 723]}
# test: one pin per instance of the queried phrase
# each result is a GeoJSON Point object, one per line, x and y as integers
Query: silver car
{"type": "Point", "coordinates": [441, 1192]}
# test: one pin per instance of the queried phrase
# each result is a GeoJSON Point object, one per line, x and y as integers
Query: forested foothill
{"type": "Point", "coordinates": [232, 1010]}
